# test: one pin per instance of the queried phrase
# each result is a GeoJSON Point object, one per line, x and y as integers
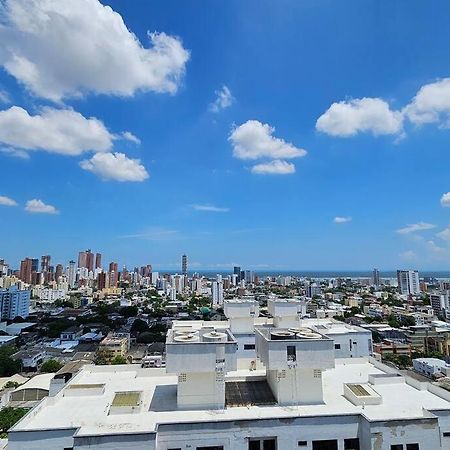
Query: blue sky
{"type": "Point", "coordinates": [235, 91]}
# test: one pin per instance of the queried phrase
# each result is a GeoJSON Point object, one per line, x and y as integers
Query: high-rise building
{"type": "Point", "coordinates": [58, 272]}
{"type": "Point", "coordinates": [71, 274]}
{"type": "Point", "coordinates": [86, 260]}
{"type": "Point", "coordinates": [184, 264]}
{"type": "Point", "coordinates": [26, 270]}
{"type": "Point", "coordinates": [98, 260]}
{"type": "Point", "coordinates": [113, 274]}
{"type": "Point", "coordinates": [376, 278]}
{"type": "Point", "coordinates": [101, 280]}
{"type": "Point", "coordinates": [35, 265]}
{"type": "Point", "coordinates": [45, 263]}
{"type": "Point", "coordinates": [14, 303]}
{"type": "Point", "coordinates": [217, 293]}
{"type": "Point", "coordinates": [237, 272]}
{"type": "Point", "coordinates": [408, 282]}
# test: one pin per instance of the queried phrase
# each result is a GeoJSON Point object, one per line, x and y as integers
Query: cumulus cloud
{"type": "Point", "coordinates": [224, 99]}
{"type": "Point", "coordinates": [115, 166]}
{"type": "Point", "coordinates": [445, 199]}
{"type": "Point", "coordinates": [7, 201]}
{"type": "Point", "coordinates": [342, 219]}
{"type": "Point", "coordinates": [431, 104]}
{"type": "Point", "coordinates": [364, 115]}
{"type": "Point", "coordinates": [254, 140]}
{"type": "Point", "coordinates": [37, 206]}
{"type": "Point", "coordinates": [276, 167]}
{"type": "Point", "coordinates": [62, 131]}
{"type": "Point", "coordinates": [414, 227]}
{"type": "Point", "coordinates": [127, 135]}
{"type": "Point", "coordinates": [209, 208]}
{"type": "Point", "coordinates": [61, 49]}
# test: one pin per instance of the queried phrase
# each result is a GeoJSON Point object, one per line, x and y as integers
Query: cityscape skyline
{"type": "Point", "coordinates": [224, 147]}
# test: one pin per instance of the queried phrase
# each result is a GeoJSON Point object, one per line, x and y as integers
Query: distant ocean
{"type": "Point", "coordinates": [318, 273]}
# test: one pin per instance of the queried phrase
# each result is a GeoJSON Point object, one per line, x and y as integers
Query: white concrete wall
{"type": "Point", "coordinates": [201, 390]}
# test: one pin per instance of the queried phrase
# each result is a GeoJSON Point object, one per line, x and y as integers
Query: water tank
{"type": "Point", "coordinates": [215, 336]}
{"type": "Point", "coordinates": [186, 338]}
{"type": "Point", "coordinates": [281, 335]}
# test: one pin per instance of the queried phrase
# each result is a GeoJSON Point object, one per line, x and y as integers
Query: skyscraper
{"type": "Point", "coordinates": [58, 272]}
{"type": "Point", "coordinates": [113, 274]}
{"type": "Point", "coordinates": [184, 265]}
{"type": "Point", "coordinates": [408, 282]}
{"type": "Point", "coordinates": [25, 270]}
{"type": "Point", "coordinates": [376, 278]}
{"type": "Point", "coordinates": [45, 263]}
{"type": "Point", "coordinates": [237, 272]}
{"type": "Point", "coordinates": [98, 260]}
{"type": "Point", "coordinates": [71, 274]}
{"type": "Point", "coordinates": [86, 260]}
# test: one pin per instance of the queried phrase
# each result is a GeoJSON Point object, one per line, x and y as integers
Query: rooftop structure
{"type": "Point", "coordinates": [362, 403]}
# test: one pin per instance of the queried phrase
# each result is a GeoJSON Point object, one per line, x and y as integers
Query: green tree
{"type": "Point", "coordinates": [9, 417]}
{"type": "Point", "coordinates": [139, 326]}
{"type": "Point", "coordinates": [8, 365]}
{"type": "Point", "coordinates": [118, 360]}
{"type": "Point", "coordinates": [11, 384]}
{"type": "Point", "coordinates": [51, 366]}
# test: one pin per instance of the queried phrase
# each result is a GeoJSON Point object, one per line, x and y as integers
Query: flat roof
{"type": "Point", "coordinates": [158, 401]}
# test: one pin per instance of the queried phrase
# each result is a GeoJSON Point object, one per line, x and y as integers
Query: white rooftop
{"type": "Point", "coordinates": [90, 412]}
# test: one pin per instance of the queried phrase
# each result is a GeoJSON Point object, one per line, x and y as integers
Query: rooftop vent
{"type": "Point", "coordinates": [361, 394]}
{"type": "Point", "coordinates": [126, 403]}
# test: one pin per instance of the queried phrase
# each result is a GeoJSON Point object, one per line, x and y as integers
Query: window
{"type": "Point", "coordinates": [211, 447]}
{"type": "Point", "coordinates": [351, 444]}
{"type": "Point", "coordinates": [412, 446]}
{"type": "Point", "coordinates": [446, 433]}
{"type": "Point", "coordinates": [302, 443]}
{"type": "Point", "coordinates": [249, 346]}
{"type": "Point", "coordinates": [337, 346]}
{"type": "Point", "coordinates": [325, 445]}
{"type": "Point", "coordinates": [262, 444]}
{"type": "Point", "coordinates": [291, 353]}
{"type": "Point", "coordinates": [397, 447]}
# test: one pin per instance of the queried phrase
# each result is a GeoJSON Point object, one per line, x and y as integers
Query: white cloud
{"type": "Point", "coordinates": [6, 201]}
{"type": "Point", "coordinates": [4, 97]}
{"type": "Point", "coordinates": [408, 255]}
{"type": "Point", "coordinates": [15, 153]}
{"type": "Point", "coordinates": [115, 166]}
{"type": "Point", "coordinates": [364, 115]}
{"type": "Point", "coordinates": [413, 227]}
{"type": "Point", "coordinates": [39, 207]}
{"type": "Point", "coordinates": [62, 131]}
{"type": "Point", "coordinates": [254, 140]}
{"type": "Point", "coordinates": [445, 199]}
{"type": "Point", "coordinates": [210, 208]}
{"type": "Point", "coordinates": [435, 248]}
{"type": "Point", "coordinates": [341, 219]}
{"type": "Point", "coordinates": [61, 49]}
{"type": "Point", "coordinates": [431, 104]}
{"type": "Point", "coordinates": [276, 167]}
{"type": "Point", "coordinates": [131, 137]}
{"type": "Point", "coordinates": [154, 234]}
{"type": "Point", "coordinates": [224, 99]}
{"type": "Point", "coordinates": [444, 234]}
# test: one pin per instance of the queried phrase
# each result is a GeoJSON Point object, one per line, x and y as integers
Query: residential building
{"type": "Point", "coordinates": [14, 303]}
{"type": "Point", "coordinates": [408, 282]}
